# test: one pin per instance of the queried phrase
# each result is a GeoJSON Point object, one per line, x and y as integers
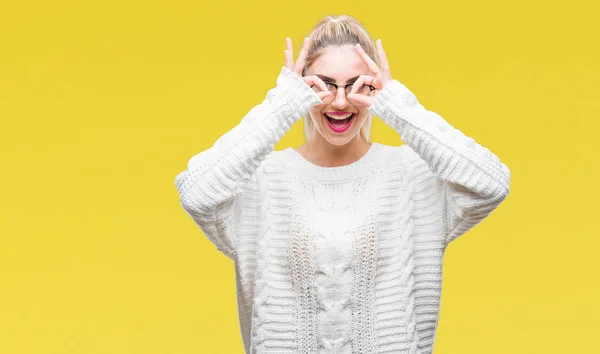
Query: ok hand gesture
{"type": "Point", "coordinates": [299, 66]}
{"type": "Point", "coordinates": [378, 79]}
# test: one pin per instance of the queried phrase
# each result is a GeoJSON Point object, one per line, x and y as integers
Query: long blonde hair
{"type": "Point", "coordinates": [338, 30]}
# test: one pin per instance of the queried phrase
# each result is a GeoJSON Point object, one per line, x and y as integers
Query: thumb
{"type": "Point", "coordinates": [324, 94]}
{"type": "Point", "coordinates": [359, 100]}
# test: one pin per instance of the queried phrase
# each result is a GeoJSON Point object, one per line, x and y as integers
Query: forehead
{"type": "Point", "coordinates": [339, 62]}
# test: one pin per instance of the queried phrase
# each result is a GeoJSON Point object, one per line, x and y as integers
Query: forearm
{"type": "Point", "coordinates": [453, 156]}
{"type": "Point", "coordinates": [215, 175]}
{"type": "Point", "coordinates": [474, 181]}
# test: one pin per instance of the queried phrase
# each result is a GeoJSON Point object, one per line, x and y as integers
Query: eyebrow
{"type": "Point", "coordinates": [329, 79]}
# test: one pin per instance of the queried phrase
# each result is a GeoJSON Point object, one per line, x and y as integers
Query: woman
{"type": "Point", "coordinates": [338, 244]}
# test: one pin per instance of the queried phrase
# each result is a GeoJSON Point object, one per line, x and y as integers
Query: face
{"type": "Point", "coordinates": [339, 65]}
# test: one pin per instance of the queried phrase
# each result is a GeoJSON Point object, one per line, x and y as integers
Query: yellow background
{"type": "Point", "coordinates": [102, 103]}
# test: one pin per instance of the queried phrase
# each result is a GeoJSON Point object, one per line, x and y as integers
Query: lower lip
{"type": "Point", "coordinates": [340, 129]}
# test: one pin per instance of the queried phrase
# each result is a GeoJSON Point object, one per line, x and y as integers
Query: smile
{"type": "Point", "coordinates": [339, 124]}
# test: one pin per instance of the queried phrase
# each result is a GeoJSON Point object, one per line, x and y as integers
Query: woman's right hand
{"type": "Point", "coordinates": [299, 66]}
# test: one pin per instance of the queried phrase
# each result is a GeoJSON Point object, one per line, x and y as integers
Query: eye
{"type": "Point", "coordinates": [331, 87]}
{"type": "Point", "coordinates": [363, 89]}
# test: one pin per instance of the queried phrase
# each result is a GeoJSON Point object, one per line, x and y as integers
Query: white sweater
{"type": "Point", "coordinates": [340, 259]}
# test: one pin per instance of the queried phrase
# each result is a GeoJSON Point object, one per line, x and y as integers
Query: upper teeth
{"type": "Point", "coordinates": [339, 117]}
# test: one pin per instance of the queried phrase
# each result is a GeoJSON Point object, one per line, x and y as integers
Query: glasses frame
{"type": "Point", "coordinates": [337, 87]}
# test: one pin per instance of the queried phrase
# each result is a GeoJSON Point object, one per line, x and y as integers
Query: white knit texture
{"type": "Point", "coordinates": [341, 259]}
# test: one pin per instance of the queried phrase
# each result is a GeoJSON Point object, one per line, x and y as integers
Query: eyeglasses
{"type": "Point", "coordinates": [333, 88]}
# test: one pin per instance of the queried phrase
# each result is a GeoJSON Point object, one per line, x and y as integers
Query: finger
{"type": "Point", "coordinates": [302, 57]}
{"type": "Point", "coordinates": [359, 100]}
{"type": "Point", "coordinates": [382, 57]}
{"type": "Point", "coordinates": [367, 59]}
{"type": "Point", "coordinates": [324, 95]}
{"type": "Point", "coordinates": [315, 80]}
{"type": "Point", "coordinates": [362, 80]}
{"type": "Point", "coordinates": [357, 84]}
{"type": "Point", "coordinates": [290, 53]}
{"type": "Point", "coordinates": [289, 63]}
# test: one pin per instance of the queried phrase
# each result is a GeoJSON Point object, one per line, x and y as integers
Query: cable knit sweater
{"type": "Point", "coordinates": [341, 259]}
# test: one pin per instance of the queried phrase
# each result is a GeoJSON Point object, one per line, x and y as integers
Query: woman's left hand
{"type": "Point", "coordinates": [379, 78]}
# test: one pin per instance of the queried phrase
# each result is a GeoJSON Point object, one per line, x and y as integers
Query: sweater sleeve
{"type": "Point", "coordinates": [211, 187]}
{"type": "Point", "coordinates": [472, 180]}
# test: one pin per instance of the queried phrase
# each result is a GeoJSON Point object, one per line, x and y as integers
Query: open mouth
{"type": "Point", "coordinates": [339, 125]}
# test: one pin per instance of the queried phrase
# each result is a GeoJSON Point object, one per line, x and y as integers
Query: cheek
{"type": "Point", "coordinates": [315, 111]}
{"type": "Point", "coordinates": [362, 114]}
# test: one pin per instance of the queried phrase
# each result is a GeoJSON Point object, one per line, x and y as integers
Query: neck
{"type": "Point", "coordinates": [322, 153]}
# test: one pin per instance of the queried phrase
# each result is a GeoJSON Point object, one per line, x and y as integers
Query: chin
{"type": "Point", "coordinates": [339, 141]}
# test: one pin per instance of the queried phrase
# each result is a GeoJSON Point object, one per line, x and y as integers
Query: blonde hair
{"type": "Point", "coordinates": [338, 30]}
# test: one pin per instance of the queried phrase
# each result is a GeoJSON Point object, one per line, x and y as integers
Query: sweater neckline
{"type": "Point", "coordinates": [360, 167]}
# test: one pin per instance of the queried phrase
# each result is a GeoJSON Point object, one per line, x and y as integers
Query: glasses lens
{"type": "Point", "coordinates": [331, 88]}
{"type": "Point", "coordinates": [363, 90]}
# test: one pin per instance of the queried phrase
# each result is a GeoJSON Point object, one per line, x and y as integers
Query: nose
{"type": "Point", "coordinates": [340, 100]}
